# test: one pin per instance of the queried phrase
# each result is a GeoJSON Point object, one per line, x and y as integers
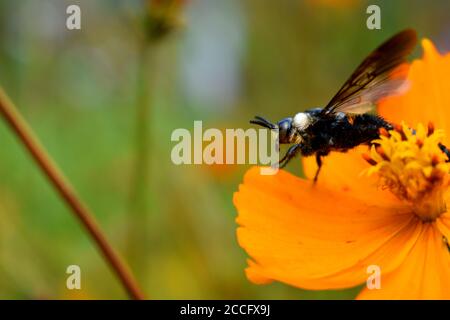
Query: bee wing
{"type": "Point", "coordinates": [365, 100]}
{"type": "Point", "coordinates": [381, 74]}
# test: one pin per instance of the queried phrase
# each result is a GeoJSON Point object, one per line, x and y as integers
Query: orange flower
{"type": "Point", "coordinates": [325, 236]}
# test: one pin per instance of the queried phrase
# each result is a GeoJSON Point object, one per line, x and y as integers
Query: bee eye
{"type": "Point", "coordinates": [284, 127]}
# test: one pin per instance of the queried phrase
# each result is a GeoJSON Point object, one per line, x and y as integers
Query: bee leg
{"type": "Point", "coordinates": [292, 152]}
{"type": "Point", "coordinates": [445, 150]}
{"type": "Point", "coordinates": [444, 239]}
{"type": "Point", "coordinates": [319, 164]}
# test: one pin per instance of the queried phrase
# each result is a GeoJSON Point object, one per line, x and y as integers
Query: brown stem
{"type": "Point", "coordinates": [62, 186]}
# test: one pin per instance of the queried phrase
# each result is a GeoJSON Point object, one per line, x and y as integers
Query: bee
{"type": "Point", "coordinates": [344, 122]}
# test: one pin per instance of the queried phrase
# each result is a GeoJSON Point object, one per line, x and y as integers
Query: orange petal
{"type": "Point", "coordinates": [424, 274]}
{"type": "Point", "coordinates": [347, 172]}
{"type": "Point", "coordinates": [338, 166]}
{"type": "Point", "coordinates": [428, 98]}
{"type": "Point", "coordinates": [312, 237]}
{"type": "Point", "coordinates": [443, 224]}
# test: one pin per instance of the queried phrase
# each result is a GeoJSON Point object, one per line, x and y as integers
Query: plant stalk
{"type": "Point", "coordinates": [26, 136]}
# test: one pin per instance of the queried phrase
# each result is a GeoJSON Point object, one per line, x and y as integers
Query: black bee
{"type": "Point", "coordinates": [344, 122]}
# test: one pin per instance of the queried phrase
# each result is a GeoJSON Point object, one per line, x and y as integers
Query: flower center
{"type": "Point", "coordinates": [412, 165]}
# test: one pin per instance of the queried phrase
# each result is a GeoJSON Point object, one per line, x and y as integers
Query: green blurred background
{"type": "Point", "coordinates": [105, 99]}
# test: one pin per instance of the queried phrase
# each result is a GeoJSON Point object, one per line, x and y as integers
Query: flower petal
{"type": "Point", "coordinates": [443, 223]}
{"type": "Point", "coordinates": [347, 172]}
{"type": "Point", "coordinates": [428, 98]}
{"type": "Point", "coordinates": [424, 274]}
{"type": "Point", "coordinates": [312, 237]}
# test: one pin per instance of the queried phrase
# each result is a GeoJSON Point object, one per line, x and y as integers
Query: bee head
{"type": "Point", "coordinates": [285, 130]}
{"type": "Point", "coordinates": [284, 126]}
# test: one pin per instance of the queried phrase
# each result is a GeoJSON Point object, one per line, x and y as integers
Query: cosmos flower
{"type": "Point", "coordinates": [386, 207]}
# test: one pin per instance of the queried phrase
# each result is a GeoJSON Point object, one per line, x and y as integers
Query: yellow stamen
{"type": "Point", "coordinates": [413, 167]}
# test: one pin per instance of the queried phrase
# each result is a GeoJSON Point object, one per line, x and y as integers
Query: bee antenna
{"type": "Point", "coordinates": [263, 122]}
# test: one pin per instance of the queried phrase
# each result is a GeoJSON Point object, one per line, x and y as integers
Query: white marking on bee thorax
{"type": "Point", "coordinates": [301, 121]}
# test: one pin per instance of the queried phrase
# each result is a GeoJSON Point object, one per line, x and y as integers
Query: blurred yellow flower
{"type": "Point", "coordinates": [163, 17]}
{"type": "Point", "coordinates": [325, 236]}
